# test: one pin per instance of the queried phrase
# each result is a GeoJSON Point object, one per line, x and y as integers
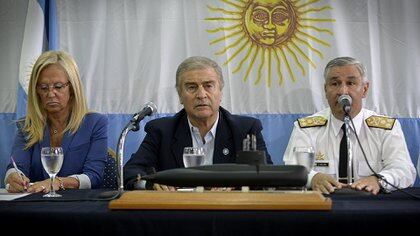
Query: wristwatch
{"type": "Point", "coordinates": [381, 181]}
{"type": "Point", "coordinates": [60, 183]}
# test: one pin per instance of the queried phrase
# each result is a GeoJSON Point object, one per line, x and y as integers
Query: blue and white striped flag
{"type": "Point", "coordinates": [39, 34]}
{"type": "Point", "coordinates": [32, 26]}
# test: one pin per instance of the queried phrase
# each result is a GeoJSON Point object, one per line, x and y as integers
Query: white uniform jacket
{"type": "Point", "coordinates": [381, 138]}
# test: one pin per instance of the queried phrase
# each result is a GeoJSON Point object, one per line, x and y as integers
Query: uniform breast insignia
{"type": "Point", "coordinates": [312, 121]}
{"type": "Point", "coordinates": [381, 122]}
{"type": "Point", "coordinates": [321, 160]}
{"type": "Point", "coordinates": [320, 156]}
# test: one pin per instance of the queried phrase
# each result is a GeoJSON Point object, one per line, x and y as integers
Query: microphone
{"type": "Point", "coordinates": [149, 109]}
{"type": "Point", "coordinates": [345, 101]}
{"type": "Point", "coordinates": [133, 125]}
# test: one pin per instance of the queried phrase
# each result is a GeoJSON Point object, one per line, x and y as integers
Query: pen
{"type": "Point", "coordinates": [18, 171]}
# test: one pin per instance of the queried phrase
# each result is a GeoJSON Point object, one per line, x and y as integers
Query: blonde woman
{"type": "Point", "coordinates": [57, 116]}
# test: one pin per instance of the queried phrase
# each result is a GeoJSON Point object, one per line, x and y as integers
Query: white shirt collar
{"type": "Point", "coordinates": [357, 120]}
{"type": "Point", "coordinates": [211, 132]}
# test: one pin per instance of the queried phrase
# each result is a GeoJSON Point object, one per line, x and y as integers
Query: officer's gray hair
{"type": "Point", "coordinates": [345, 61]}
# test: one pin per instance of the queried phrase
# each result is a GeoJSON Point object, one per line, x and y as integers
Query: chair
{"type": "Point", "coordinates": [110, 172]}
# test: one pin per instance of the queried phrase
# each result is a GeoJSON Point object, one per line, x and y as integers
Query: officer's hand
{"type": "Point", "coordinates": [325, 183]}
{"type": "Point", "coordinates": [369, 184]}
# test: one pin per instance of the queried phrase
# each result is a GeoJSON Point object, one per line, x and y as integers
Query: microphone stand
{"type": "Point", "coordinates": [134, 126]}
{"type": "Point", "coordinates": [349, 149]}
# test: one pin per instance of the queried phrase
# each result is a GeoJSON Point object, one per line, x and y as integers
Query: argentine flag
{"type": "Point", "coordinates": [32, 28]}
{"type": "Point", "coordinates": [272, 60]}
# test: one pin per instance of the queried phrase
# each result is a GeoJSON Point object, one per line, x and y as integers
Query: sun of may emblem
{"type": "Point", "coordinates": [269, 35]}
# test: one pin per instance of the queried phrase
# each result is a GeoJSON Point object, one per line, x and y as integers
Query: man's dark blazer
{"type": "Point", "coordinates": [166, 138]}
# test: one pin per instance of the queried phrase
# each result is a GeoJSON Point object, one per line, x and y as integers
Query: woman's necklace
{"type": "Point", "coordinates": [54, 130]}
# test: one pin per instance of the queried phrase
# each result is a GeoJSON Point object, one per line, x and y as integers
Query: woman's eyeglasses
{"type": "Point", "coordinates": [45, 88]}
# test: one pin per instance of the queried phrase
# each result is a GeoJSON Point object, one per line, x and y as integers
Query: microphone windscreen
{"type": "Point", "coordinates": [345, 100]}
{"type": "Point", "coordinates": [152, 107]}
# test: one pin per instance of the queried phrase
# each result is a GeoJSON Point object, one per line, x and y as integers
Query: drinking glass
{"type": "Point", "coordinates": [52, 160]}
{"type": "Point", "coordinates": [305, 156]}
{"type": "Point", "coordinates": [193, 156]}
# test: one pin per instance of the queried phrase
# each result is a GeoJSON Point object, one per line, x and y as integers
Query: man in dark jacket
{"type": "Point", "coordinates": [202, 123]}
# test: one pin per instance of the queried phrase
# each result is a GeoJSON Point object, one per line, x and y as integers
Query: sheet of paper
{"type": "Point", "coordinates": [5, 196]}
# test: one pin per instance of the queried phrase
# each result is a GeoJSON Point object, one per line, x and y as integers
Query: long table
{"type": "Point", "coordinates": [81, 212]}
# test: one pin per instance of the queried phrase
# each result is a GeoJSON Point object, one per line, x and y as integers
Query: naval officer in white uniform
{"type": "Point", "coordinates": [381, 137]}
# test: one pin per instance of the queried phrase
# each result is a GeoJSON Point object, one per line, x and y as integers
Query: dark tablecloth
{"type": "Point", "coordinates": [82, 212]}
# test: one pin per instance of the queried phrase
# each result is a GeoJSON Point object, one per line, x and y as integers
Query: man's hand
{"type": "Point", "coordinates": [369, 184]}
{"type": "Point", "coordinates": [325, 183]}
{"type": "Point", "coordinates": [158, 187]}
{"type": "Point", "coordinates": [161, 187]}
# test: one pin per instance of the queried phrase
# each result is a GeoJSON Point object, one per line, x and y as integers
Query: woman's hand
{"type": "Point", "coordinates": [17, 183]}
{"type": "Point", "coordinates": [43, 186]}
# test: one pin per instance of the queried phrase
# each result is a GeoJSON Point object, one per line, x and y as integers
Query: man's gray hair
{"type": "Point", "coordinates": [197, 63]}
{"type": "Point", "coordinates": [346, 61]}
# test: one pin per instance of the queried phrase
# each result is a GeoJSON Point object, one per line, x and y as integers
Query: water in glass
{"type": "Point", "coordinates": [305, 156]}
{"type": "Point", "coordinates": [52, 160]}
{"type": "Point", "coordinates": [193, 156]}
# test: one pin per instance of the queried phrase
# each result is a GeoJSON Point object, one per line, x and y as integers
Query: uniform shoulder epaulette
{"type": "Point", "coordinates": [381, 122]}
{"type": "Point", "coordinates": [312, 121]}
